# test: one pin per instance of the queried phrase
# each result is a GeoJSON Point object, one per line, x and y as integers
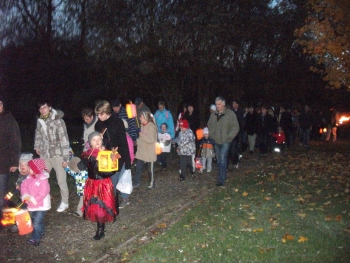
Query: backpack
{"type": "Point", "coordinates": [131, 147]}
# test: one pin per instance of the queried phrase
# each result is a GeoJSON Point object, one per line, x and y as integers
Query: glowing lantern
{"type": "Point", "coordinates": [324, 129]}
{"type": "Point", "coordinates": [343, 118]}
{"type": "Point", "coordinates": [158, 148]}
{"type": "Point", "coordinates": [199, 162]}
{"type": "Point", "coordinates": [8, 216]}
{"type": "Point", "coordinates": [131, 110]}
{"type": "Point", "coordinates": [105, 162]}
{"type": "Point", "coordinates": [199, 134]}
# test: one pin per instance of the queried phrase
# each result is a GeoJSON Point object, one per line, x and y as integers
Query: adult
{"type": "Point", "coordinates": [161, 116]}
{"type": "Point", "coordinates": [51, 143]}
{"type": "Point", "coordinates": [181, 116]}
{"type": "Point", "coordinates": [250, 127]}
{"type": "Point", "coordinates": [236, 145]}
{"type": "Point", "coordinates": [223, 126]}
{"type": "Point", "coordinates": [265, 129]}
{"type": "Point", "coordinates": [121, 113]}
{"type": "Point", "coordinates": [192, 117]}
{"type": "Point", "coordinates": [140, 107]}
{"type": "Point", "coordinates": [284, 119]}
{"type": "Point", "coordinates": [90, 120]}
{"type": "Point", "coordinates": [305, 126]}
{"type": "Point", "coordinates": [114, 135]}
{"type": "Point", "coordinates": [10, 149]}
{"type": "Point", "coordinates": [332, 118]}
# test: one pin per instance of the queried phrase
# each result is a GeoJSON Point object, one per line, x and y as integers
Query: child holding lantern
{"type": "Point", "coordinates": [206, 151]}
{"type": "Point", "coordinates": [35, 191]}
{"type": "Point", "coordinates": [99, 203]}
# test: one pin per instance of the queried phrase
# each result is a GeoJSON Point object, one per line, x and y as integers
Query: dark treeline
{"type": "Point", "coordinates": [78, 51]}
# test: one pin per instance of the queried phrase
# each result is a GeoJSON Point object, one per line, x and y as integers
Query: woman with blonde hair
{"type": "Point", "coordinates": [146, 149]}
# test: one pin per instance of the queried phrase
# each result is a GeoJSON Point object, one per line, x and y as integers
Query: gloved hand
{"type": "Point", "coordinates": [25, 197]}
{"type": "Point", "coordinates": [32, 200]}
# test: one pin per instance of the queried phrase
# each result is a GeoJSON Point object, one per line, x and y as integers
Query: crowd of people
{"type": "Point", "coordinates": [229, 131]}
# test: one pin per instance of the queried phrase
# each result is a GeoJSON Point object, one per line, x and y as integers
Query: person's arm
{"type": "Point", "coordinates": [38, 138]}
{"type": "Point", "coordinates": [171, 128]}
{"type": "Point", "coordinates": [64, 140]}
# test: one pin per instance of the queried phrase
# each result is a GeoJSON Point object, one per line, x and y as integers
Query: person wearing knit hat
{"type": "Point", "coordinates": [10, 149]}
{"type": "Point", "coordinates": [92, 135]}
{"type": "Point", "coordinates": [186, 148]}
{"type": "Point", "coordinates": [206, 146]}
{"type": "Point", "coordinates": [23, 168]}
{"type": "Point", "coordinates": [35, 191]}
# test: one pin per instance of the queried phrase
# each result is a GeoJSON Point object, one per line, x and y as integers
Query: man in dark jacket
{"type": "Point", "coordinates": [265, 128]}
{"type": "Point", "coordinates": [305, 122]}
{"type": "Point", "coordinates": [10, 149]}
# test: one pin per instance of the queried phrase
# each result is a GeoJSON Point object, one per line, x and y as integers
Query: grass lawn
{"type": "Point", "coordinates": [291, 207]}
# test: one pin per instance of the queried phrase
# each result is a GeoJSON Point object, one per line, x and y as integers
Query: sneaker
{"type": "Point", "coordinates": [152, 185]}
{"type": "Point", "coordinates": [219, 184]}
{"type": "Point", "coordinates": [76, 214]}
{"type": "Point", "coordinates": [208, 171]}
{"type": "Point", "coordinates": [236, 166]}
{"type": "Point", "coordinates": [63, 206]}
{"type": "Point", "coordinates": [33, 242]}
{"type": "Point", "coordinates": [200, 171]}
{"type": "Point", "coordinates": [135, 186]}
{"type": "Point", "coordinates": [193, 174]}
{"type": "Point", "coordinates": [124, 202]}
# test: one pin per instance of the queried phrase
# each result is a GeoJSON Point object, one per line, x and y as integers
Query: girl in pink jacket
{"type": "Point", "coordinates": [35, 191]}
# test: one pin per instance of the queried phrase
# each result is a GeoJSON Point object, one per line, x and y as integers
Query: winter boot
{"type": "Point", "coordinates": [100, 232]}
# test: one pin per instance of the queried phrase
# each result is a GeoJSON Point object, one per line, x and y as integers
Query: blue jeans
{"type": "Point", "coordinates": [304, 136]}
{"type": "Point", "coordinates": [221, 151]}
{"type": "Point", "coordinates": [115, 179]}
{"type": "Point", "coordinates": [38, 224]}
{"type": "Point", "coordinates": [4, 179]}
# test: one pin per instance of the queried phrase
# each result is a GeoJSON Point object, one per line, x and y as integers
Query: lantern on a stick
{"type": "Point", "coordinates": [199, 134]}
{"type": "Point", "coordinates": [131, 110]}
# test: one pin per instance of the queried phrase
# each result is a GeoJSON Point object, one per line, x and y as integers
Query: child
{"type": "Point", "coordinates": [185, 149]}
{"type": "Point", "coordinates": [80, 180]}
{"type": "Point", "coordinates": [35, 190]}
{"type": "Point", "coordinates": [146, 149]}
{"type": "Point", "coordinates": [207, 151]}
{"type": "Point", "coordinates": [164, 139]}
{"type": "Point", "coordinates": [280, 139]}
{"type": "Point", "coordinates": [99, 203]}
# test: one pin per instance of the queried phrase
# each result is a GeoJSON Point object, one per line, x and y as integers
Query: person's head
{"type": "Point", "coordinates": [251, 109]}
{"type": "Point", "coordinates": [220, 104]}
{"type": "Point", "coordinates": [185, 106]}
{"type": "Point", "coordinates": [164, 127]}
{"type": "Point", "coordinates": [95, 140]}
{"type": "Point", "coordinates": [271, 112]}
{"type": "Point", "coordinates": [212, 108]}
{"type": "Point", "coordinates": [23, 163]}
{"type": "Point", "coordinates": [206, 133]}
{"type": "Point", "coordinates": [146, 117]}
{"type": "Point", "coordinates": [44, 107]}
{"type": "Point", "coordinates": [36, 166]}
{"type": "Point", "coordinates": [161, 105]}
{"type": "Point", "coordinates": [263, 110]}
{"type": "Point", "coordinates": [2, 102]}
{"type": "Point", "coordinates": [88, 115]}
{"type": "Point", "coordinates": [116, 105]}
{"type": "Point", "coordinates": [103, 110]}
{"type": "Point", "coordinates": [190, 108]}
{"type": "Point", "coordinates": [138, 102]}
{"type": "Point", "coordinates": [307, 108]}
{"type": "Point", "coordinates": [235, 104]}
{"type": "Point", "coordinates": [279, 129]}
{"type": "Point", "coordinates": [184, 125]}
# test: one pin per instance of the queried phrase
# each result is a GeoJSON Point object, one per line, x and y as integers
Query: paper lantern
{"type": "Point", "coordinates": [131, 110]}
{"type": "Point", "coordinates": [8, 216]}
{"type": "Point", "coordinates": [158, 148]}
{"type": "Point", "coordinates": [199, 163]}
{"type": "Point", "coordinates": [105, 162]}
{"type": "Point", "coordinates": [199, 134]}
{"type": "Point", "coordinates": [24, 222]}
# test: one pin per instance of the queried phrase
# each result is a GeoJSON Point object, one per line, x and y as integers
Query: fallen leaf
{"type": "Point", "coordinates": [327, 203]}
{"type": "Point", "coordinates": [252, 218]}
{"type": "Point", "coordinates": [258, 230]}
{"type": "Point", "coordinates": [278, 205]}
{"type": "Point", "coordinates": [328, 218]}
{"type": "Point", "coordinates": [302, 239]}
{"type": "Point", "coordinates": [287, 237]}
{"type": "Point", "coordinates": [245, 194]}
{"type": "Point", "coordinates": [268, 198]}
{"type": "Point", "coordinates": [302, 215]}
{"type": "Point", "coordinates": [162, 225]}
{"type": "Point", "coordinates": [338, 218]}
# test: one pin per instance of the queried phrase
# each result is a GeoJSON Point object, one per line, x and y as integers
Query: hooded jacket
{"type": "Point", "coordinates": [37, 190]}
{"type": "Point", "coordinates": [51, 137]}
{"type": "Point", "coordinates": [10, 142]}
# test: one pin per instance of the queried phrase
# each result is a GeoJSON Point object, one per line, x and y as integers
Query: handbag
{"type": "Point", "coordinates": [124, 184]}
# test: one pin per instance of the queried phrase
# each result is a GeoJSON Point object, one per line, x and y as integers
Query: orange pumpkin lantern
{"type": "Point", "coordinates": [199, 134]}
{"type": "Point", "coordinates": [105, 162]}
{"type": "Point", "coordinates": [158, 148]}
{"type": "Point", "coordinates": [131, 110]}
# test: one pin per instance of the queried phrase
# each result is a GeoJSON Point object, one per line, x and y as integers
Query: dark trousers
{"type": "Point", "coordinates": [185, 161]}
